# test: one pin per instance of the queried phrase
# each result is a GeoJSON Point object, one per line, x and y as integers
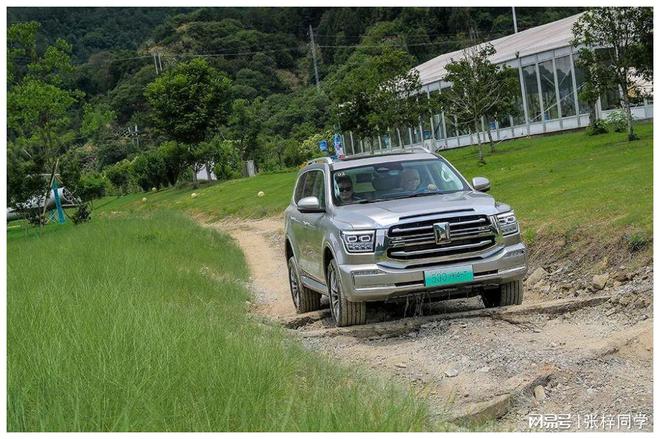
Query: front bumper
{"type": "Point", "coordinates": [373, 282]}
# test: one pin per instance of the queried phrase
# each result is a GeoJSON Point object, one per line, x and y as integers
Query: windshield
{"type": "Point", "coordinates": [387, 181]}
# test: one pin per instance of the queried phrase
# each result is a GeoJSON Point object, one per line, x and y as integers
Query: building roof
{"type": "Point", "coordinates": [528, 42]}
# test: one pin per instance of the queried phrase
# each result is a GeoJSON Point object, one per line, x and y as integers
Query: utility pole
{"type": "Point", "coordinates": [515, 23]}
{"type": "Point", "coordinates": [316, 70]}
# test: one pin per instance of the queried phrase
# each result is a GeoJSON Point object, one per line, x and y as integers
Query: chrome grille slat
{"type": "Point", "coordinates": [412, 229]}
{"type": "Point", "coordinates": [440, 249]}
{"type": "Point", "coordinates": [462, 223]}
{"type": "Point", "coordinates": [471, 231]}
{"type": "Point", "coordinates": [468, 233]}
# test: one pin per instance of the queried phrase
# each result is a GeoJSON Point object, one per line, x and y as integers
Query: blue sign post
{"type": "Point", "coordinates": [323, 145]}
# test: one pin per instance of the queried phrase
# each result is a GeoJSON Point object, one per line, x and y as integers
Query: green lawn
{"type": "Point", "coordinates": [601, 185]}
{"type": "Point", "coordinates": [232, 198]}
{"type": "Point", "coordinates": [140, 323]}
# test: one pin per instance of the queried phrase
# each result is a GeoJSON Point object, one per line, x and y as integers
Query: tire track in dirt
{"type": "Point", "coordinates": [269, 274]}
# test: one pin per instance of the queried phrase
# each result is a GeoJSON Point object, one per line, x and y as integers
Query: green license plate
{"type": "Point", "coordinates": [448, 276]}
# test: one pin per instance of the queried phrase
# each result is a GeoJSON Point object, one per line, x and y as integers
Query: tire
{"type": "Point", "coordinates": [344, 312]}
{"type": "Point", "coordinates": [508, 294]}
{"type": "Point", "coordinates": [304, 299]}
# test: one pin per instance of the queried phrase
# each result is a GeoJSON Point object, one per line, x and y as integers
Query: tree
{"type": "Point", "coordinates": [244, 124]}
{"type": "Point", "coordinates": [149, 170]}
{"type": "Point", "coordinates": [97, 121]}
{"type": "Point", "coordinates": [226, 158]}
{"type": "Point", "coordinates": [175, 158]}
{"type": "Point", "coordinates": [374, 93]}
{"type": "Point", "coordinates": [480, 89]}
{"type": "Point", "coordinates": [39, 108]}
{"type": "Point", "coordinates": [614, 47]}
{"type": "Point", "coordinates": [188, 102]}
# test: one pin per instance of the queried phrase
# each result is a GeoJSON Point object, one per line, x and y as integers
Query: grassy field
{"type": "Point", "coordinates": [140, 323]}
{"type": "Point", "coordinates": [232, 198]}
{"type": "Point", "coordinates": [138, 320]}
{"type": "Point", "coordinates": [601, 185]}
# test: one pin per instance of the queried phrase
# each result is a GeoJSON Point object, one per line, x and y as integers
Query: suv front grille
{"type": "Point", "coordinates": [417, 240]}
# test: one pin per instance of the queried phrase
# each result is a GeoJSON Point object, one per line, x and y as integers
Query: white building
{"type": "Point", "coordinates": [549, 102]}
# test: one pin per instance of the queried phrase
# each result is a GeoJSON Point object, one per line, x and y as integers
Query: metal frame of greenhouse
{"type": "Point", "coordinates": [549, 102]}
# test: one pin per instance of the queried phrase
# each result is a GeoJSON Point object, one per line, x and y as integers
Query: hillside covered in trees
{"type": "Point", "coordinates": [110, 70]}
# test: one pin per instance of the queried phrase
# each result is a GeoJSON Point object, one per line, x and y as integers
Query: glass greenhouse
{"type": "Point", "coordinates": [549, 82]}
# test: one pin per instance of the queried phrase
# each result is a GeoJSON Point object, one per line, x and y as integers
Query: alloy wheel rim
{"type": "Point", "coordinates": [334, 294]}
{"type": "Point", "coordinates": [293, 282]}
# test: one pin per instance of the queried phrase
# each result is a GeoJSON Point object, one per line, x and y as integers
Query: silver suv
{"type": "Point", "coordinates": [383, 228]}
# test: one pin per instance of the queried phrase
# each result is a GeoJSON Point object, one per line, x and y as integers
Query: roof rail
{"type": "Point", "coordinates": [319, 160]}
{"type": "Point", "coordinates": [419, 148]}
{"type": "Point", "coordinates": [395, 150]}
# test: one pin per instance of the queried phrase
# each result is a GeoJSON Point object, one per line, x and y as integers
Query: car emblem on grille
{"type": "Point", "coordinates": [441, 231]}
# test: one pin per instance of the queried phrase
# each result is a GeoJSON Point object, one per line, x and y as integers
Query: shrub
{"type": "Point", "coordinates": [119, 175]}
{"type": "Point", "coordinates": [82, 214]}
{"type": "Point", "coordinates": [227, 160]}
{"type": "Point", "coordinates": [90, 186]}
{"type": "Point", "coordinates": [598, 126]}
{"type": "Point", "coordinates": [149, 170]}
{"type": "Point", "coordinates": [618, 121]}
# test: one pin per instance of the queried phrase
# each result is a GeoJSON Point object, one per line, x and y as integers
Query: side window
{"type": "Point", "coordinates": [300, 187]}
{"type": "Point", "coordinates": [314, 186]}
{"type": "Point", "coordinates": [319, 187]}
{"type": "Point", "coordinates": [310, 184]}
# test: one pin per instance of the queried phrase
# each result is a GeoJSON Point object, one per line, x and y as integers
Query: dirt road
{"type": "Point", "coordinates": [571, 357]}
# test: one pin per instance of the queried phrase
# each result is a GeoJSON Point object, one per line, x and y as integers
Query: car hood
{"type": "Point", "coordinates": [386, 213]}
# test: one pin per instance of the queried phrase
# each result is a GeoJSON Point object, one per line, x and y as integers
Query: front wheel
{"type": "Point", "coordinates": [507, 294]}
{"type": "Point", "coordinates": [304, 299]}
{"type": "Point", "coordinates": [344, 312]}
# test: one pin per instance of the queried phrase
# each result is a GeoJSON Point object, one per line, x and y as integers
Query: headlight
{"type": "Point", "coordinates": [508, 223]}
{"type": "Point", "coordinates": [359, 242]}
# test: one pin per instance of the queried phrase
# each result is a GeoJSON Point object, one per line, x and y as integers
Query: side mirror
{"type": "Point", "coordinates": [481, 184]}
{"type": "Point", "coordinates": [310, 205]}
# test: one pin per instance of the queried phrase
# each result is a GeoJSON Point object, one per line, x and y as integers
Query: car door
{"type": "Point", "coordinates": [298, 229]}
{"type": "Point", "coordinates": [313, 223]}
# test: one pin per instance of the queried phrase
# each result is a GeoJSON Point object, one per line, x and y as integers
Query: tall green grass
{"type": "Point", "coordinates": [140, 323]}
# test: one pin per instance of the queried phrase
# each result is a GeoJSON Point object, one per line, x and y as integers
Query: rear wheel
{"type": "Point", "coordinates": [304, 299]}
{"type": "Point", "coordinates": [507, 294]}
{"type": "Point", "coordinates": [344, 312]}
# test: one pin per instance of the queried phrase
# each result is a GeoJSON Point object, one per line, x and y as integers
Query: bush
{"type": "Point", "coordinates": [617, 120]}
{"type": "Point", "coordinates": [90, 186]}
{"type": "Point", "coordinates": [149, 170]}
{"type": "Point", "coordinates": [599, 126]}
{"type": "Point", "coordinates": [227, 158]}
{"type": "Point", "coordinates": [119, 175]}
{"type": "Point", "coordinates": [82, 214]}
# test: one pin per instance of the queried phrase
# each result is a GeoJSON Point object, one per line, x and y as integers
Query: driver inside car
{"type": "Point", "coordinates": [410, 180]}
{"type": "Point", "coordinates": [345, 187]}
